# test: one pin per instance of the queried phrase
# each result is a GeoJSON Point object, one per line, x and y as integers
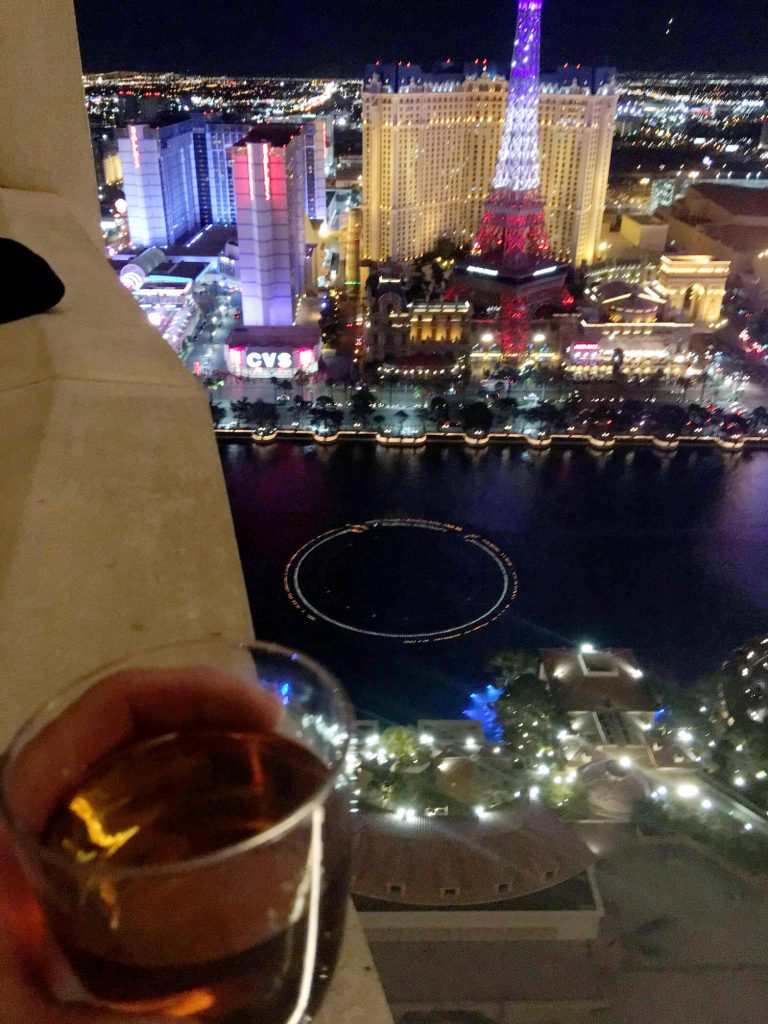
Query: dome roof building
{"type": "Point", "coordinates": [461, 862]}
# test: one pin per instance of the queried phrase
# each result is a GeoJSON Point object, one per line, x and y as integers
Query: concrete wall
{"type": "Point", "coordinates": [481, 925]}
{"type": "Point", "coordinates": [44, 142]}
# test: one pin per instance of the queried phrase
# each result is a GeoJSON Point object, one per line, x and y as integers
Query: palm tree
{"type": "Point", "coordinates": [670, 418]}
{"type": "Point", "coordinates": [362, 404]}
{"type": "Point", "coordinates": [698, 416]}
{"type": "Point", "coordinates": [476, 416]}
{"type": "Point", "coordinates": [241, 410]}
{"type": "Point", "coordinates": [326, 418]}
{"type": "Point", "coordinates": [263, 415]}
{"type": "Point", "coordinates": [401, 416]}
{"type": "Point", "coordinates": [300, 379]}
{"type": "Point", "coordinates": [734, 424]}
{"type": "Point", "coordinates": [511, 664]}
{"type": "Point", "coordinates": [438, 410]}
{"type": "Point", "coordinates": [379, 421]}
{"type": "Point", "coordinates": [275, 385]}
{"type": "Point", "coordinates": [218, 412]}
{"type": "Point", "coordinates": [506, 407]}
{"type": "Point", "coordinates": [545, 414]}
{"type": "Point", "coordinates": [759, 419]}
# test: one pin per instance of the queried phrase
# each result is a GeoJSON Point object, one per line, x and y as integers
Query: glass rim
{"type": "Point", "coordinates": [44, 854]}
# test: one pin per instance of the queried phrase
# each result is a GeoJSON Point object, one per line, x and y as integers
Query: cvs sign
{"type": "Point", "coordinates": [268, 360]}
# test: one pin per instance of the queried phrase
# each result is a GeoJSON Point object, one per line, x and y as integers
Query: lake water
{"type": "Point", "coordinates": [666, 555]}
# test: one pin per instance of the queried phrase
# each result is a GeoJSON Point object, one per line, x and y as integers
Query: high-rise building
{"type": "Point", "coordinates": [430, 142]}
{"type": "Point", "coordinates": [577, 113]}
{"type": "Point", "coordinates": [177, 177]}
{"type": "Point", "coordinates": [270, 165]}
{"type": "Point", "coordinates": [326, 124]}
{"type": "Point", "coordinates": [313, 135]}
{"type": "Point", "coordinates": [213, 145]}
{"type": "Point", "coordinates": [160, 182]}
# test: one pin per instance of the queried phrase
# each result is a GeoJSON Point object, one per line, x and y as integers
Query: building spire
{"type": "Point", "coordinates": [513, 220]}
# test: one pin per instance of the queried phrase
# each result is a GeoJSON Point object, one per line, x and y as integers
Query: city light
{"type": "Point", "coordinates": [687, 790]}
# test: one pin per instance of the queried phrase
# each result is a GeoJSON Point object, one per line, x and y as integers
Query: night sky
{"type": "Point", "coordinates": [261, 37]}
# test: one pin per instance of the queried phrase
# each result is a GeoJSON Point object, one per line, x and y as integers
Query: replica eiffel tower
{"type": "Point", "coordinates": [509, 270]}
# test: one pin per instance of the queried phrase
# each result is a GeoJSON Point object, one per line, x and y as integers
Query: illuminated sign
{"type": "Point", "coordinates": [544, 270]}
{"type": "Point", "coordinates": [482, 270]}
{"type": "Point", "coordinates": [584, 348]}
{"type": "Point", "coordinates": [251, 190]}
{"type": "Point", "coordinates": [268, 360]}
{"type": "Point", "coordinates": [267, 181]}
{"type": "Point", "coordinates": [134, 137]}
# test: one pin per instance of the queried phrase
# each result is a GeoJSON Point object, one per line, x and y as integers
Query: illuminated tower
{"type": "Point", "coordinates": [269, 176]}
{"type": "Point", "coordinates": [510, 271]}
{"type": "Point", "coordinates": [513, 219]}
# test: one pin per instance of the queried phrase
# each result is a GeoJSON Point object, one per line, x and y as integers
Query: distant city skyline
{"type": "Point", "coordinates": [246, 38]}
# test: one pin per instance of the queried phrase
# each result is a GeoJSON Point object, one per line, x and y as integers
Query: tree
{"type": "Point", "coordinates": [734, 424]}
{"type": "Point", "coordinates": [400, 742]}
{"type": "Point", "coordinates": [301, 406]}
{"type": "Point", "coordinates": [379, 421]}
{"type": "Point", "coordinates": [401, 416]}
{"type": "Point", "coordinates": [362, 405]}
{"type": "Point", "coordinates": [545, 414]}
{"type": "Point", "coordinates": [506, 408]}
{"type": "Point", "coordinates": [263, 415]}
{"type": "Point", "coordinates": [759, 419]}
{"type": "Point", "coordinates": [300, 379]}
{"type": "Point", "coordinates": [241, 410]}
{"type": "Point", "coordinates": [476, 416]}
{"type": "Point", "coordinates": [670, 419]}
{"type": "Point", "coordinates": [511, 664]}
{"type": "Point", "coordinates": [327, 418]}
{"type": "Point", "coordinates": [698, 415]}
{"type": "Point", "coordinates": [527, 711]}
{"type": "Point", "coordinates": [218, 412]}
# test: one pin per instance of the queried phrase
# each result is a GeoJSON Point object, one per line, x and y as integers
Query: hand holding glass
{"type": "Point", "coordinates": [185, 831]}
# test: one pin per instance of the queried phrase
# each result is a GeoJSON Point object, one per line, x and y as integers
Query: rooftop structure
{"type": "Point", "coordinates": [464, 861]}
{"type": "Point", "coordinates": [743, 201]}
{"type": "Point", "coordinates": [585, 679]}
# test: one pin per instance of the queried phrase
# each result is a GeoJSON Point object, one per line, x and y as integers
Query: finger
{"type": "Point", "coordinates": [33, 970]}
{"type": "Point", "coordinates": [21, 921]}
{"type": "Point", "coordinates": [133, 703]}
